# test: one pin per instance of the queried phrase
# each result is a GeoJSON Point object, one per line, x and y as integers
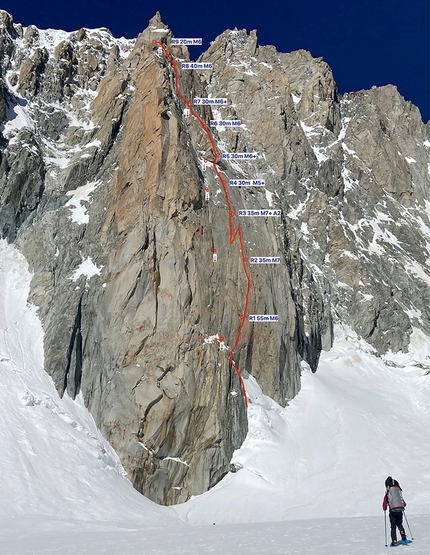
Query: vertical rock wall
{"type": "Point", "coordinates": [102, 187]}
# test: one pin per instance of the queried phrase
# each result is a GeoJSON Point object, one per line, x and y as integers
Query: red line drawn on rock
{"type": "Point", "coordinates": [232, 235]}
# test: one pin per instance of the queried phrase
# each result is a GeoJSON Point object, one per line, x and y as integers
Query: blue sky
{"type": "Point", "coordinates": [366, 42]}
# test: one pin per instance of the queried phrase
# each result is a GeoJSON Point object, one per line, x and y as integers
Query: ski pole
{"type": "Point", "coordinates": [410, 531]}
{"type": "Point", "coordinates": [385, 521]}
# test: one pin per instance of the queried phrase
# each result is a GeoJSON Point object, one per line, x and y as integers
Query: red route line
{"type": "Point", "coordinates": [238, 231]}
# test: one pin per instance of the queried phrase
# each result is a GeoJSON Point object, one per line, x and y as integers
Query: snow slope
{"type": "Point", "coordinates": [54, 460]}
{"type": "Point", "coordinates": [354, 422]}
{"type": "Point", "coordinates": [340, 536]}
{"type": "Point", "coordinates": [327, 454]}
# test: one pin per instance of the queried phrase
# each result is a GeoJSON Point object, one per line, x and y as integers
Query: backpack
{"type": "Point", "coordinates": [395, 499]}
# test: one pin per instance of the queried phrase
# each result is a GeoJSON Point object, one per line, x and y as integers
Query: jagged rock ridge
{"type": "Point", "coordinates": [102, 189]}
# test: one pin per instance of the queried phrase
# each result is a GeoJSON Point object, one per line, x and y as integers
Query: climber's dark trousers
{"type": "Point", "coordinates": [396, 518]}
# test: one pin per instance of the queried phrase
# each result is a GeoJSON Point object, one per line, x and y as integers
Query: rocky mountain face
{"type": "Point", "coordinates": [103, 187]}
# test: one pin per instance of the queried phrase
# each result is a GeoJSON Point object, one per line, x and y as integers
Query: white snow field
{"type": "Point", "coordinates": [354, 422]}
{"type": "Point", "coordinates": [54, 462]}
{"type": "Point", "coordinates": [310, 479]}
{"type": "Point", "coordinates": [339, 536]}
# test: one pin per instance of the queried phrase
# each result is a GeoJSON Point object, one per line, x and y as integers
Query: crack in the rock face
{"type": "Point", "coordinates": [156, 276]}
{"type": "Point", "coordinates": [158, 380]}
{"type": "Point", "coordinates": [140, 432]}
{"type": "Point", "coordinates": [374, 324]}
{"type": "Point", "coordinates": [166, 371]}
{"type": "Point", "coordinates": [132, 290]}
{"type": "Point", "coordinates": [73, 372]}
{"type": "Point", "coordinates": [139, 381]}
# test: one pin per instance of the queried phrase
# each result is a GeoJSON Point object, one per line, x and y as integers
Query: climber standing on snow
{"type": "Point", "coordinates": [393, 499]}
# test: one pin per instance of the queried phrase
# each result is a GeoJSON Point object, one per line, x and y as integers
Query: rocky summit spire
{"type": "Point", "coordinates": [155, 21]}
